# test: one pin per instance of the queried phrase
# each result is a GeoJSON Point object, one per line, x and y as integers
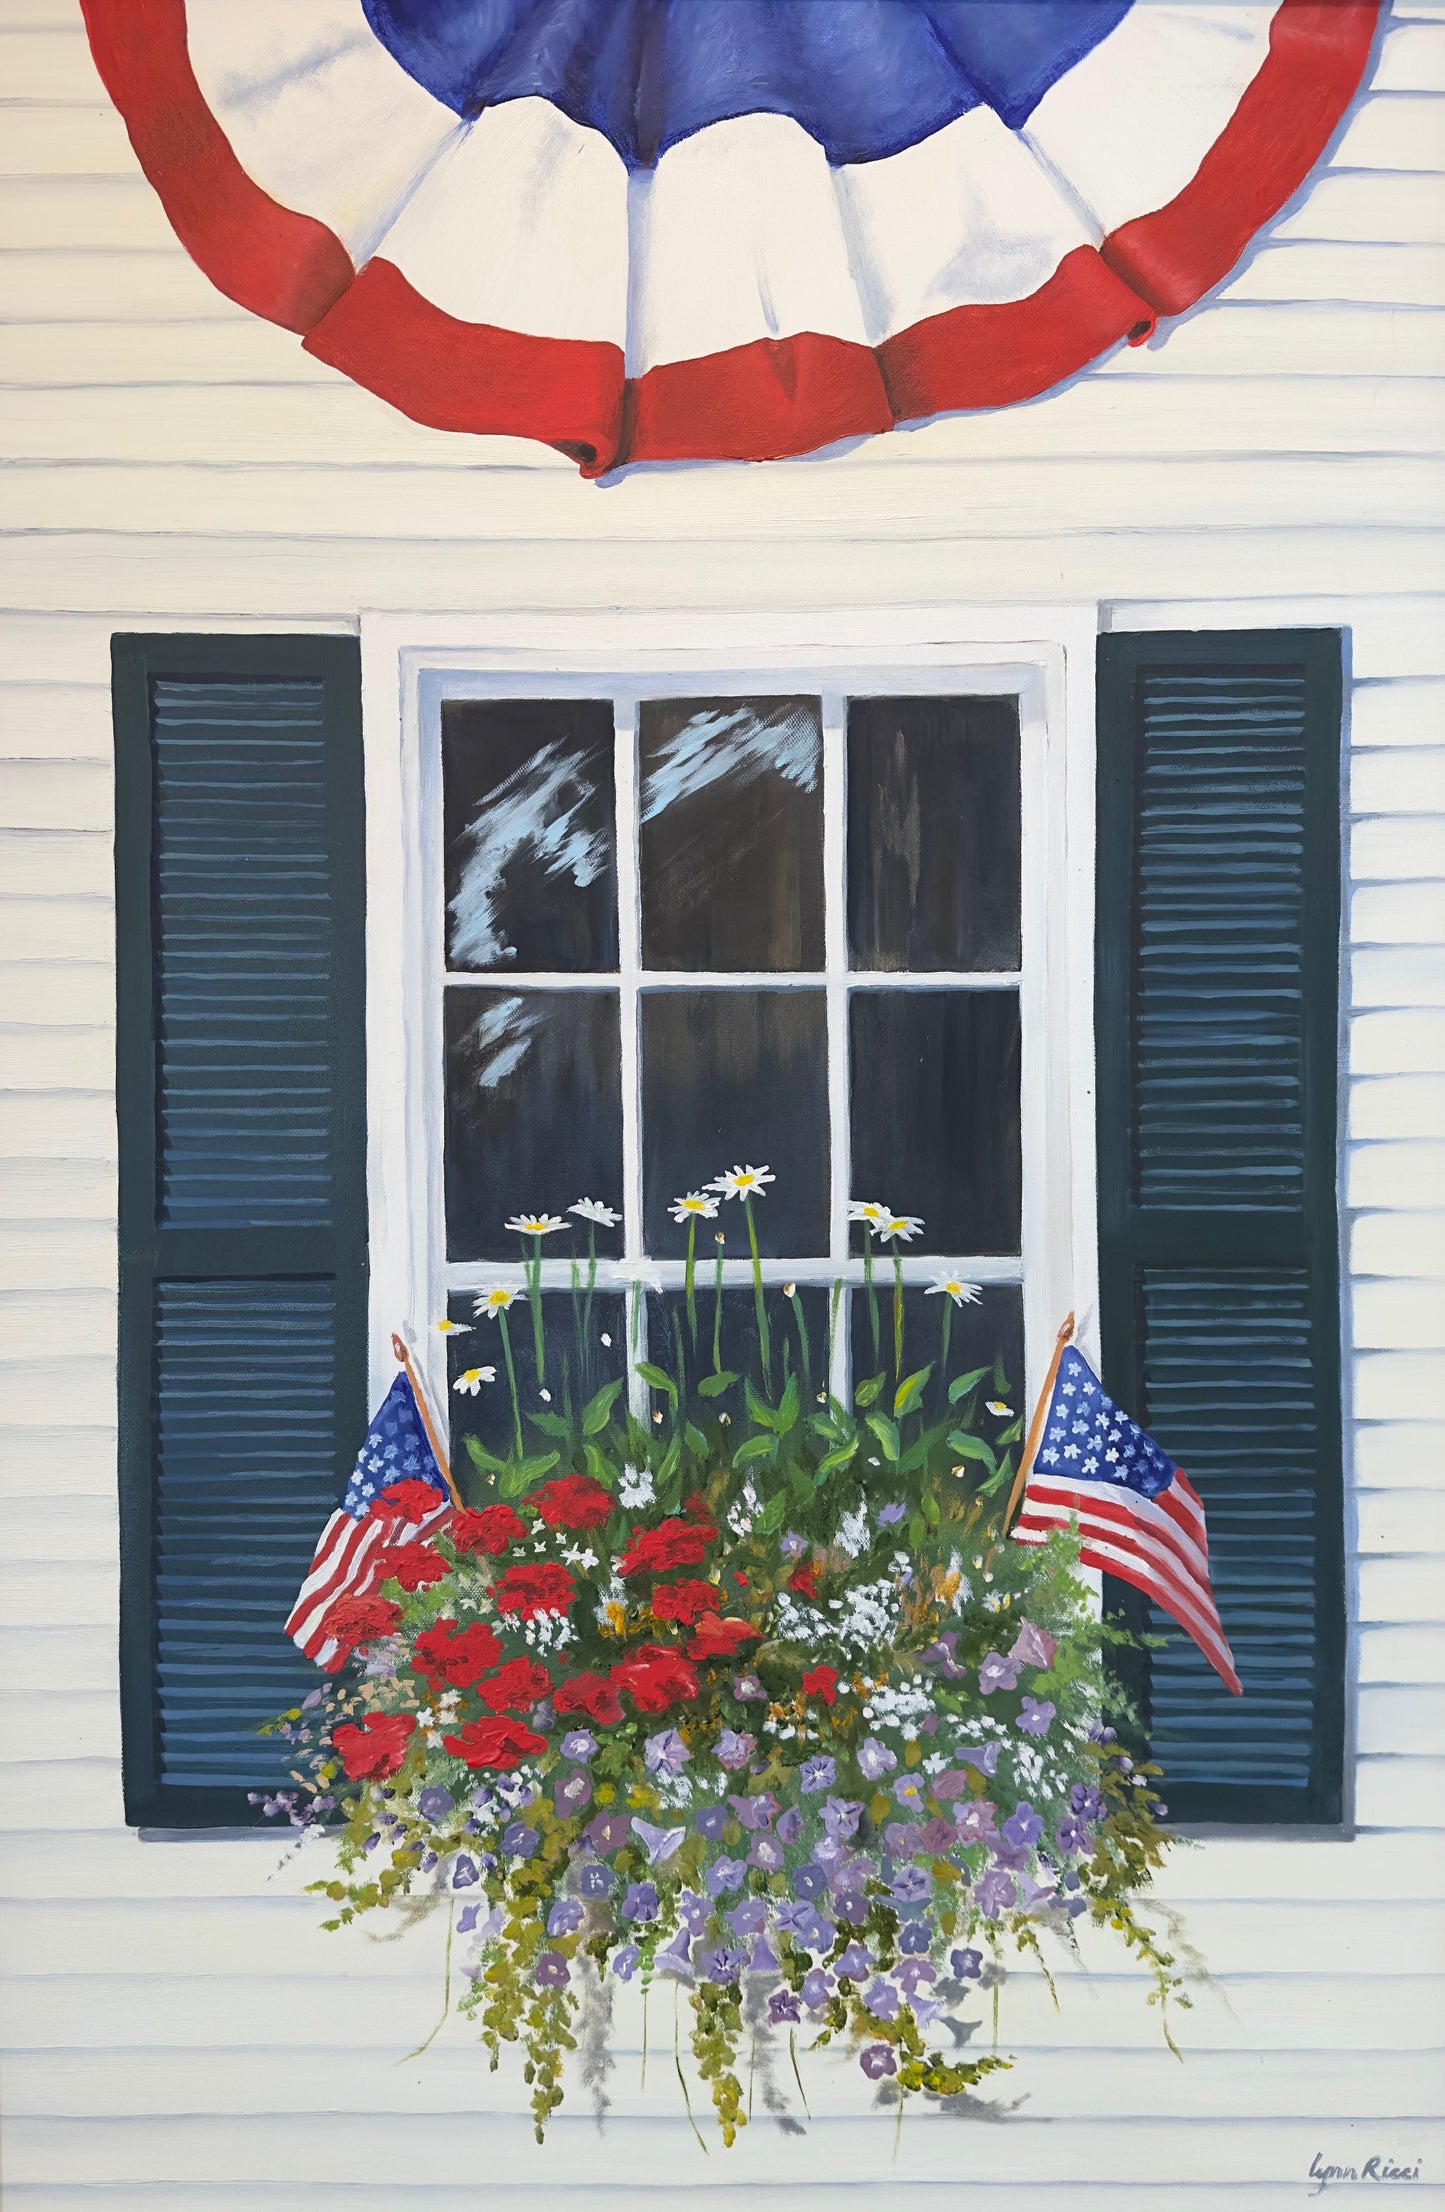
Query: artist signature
{"type": "Point", "coordinates": [1373, 2169]}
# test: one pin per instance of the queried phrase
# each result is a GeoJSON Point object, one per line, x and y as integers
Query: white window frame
{"type": "Point", "coordinates": [409, 663]}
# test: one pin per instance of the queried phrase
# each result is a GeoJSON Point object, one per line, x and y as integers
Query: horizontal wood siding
{"type": "Point", "coordinates": [183, 2036]}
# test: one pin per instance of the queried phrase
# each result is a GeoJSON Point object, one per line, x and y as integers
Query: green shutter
{"type": "Point", "coordinates": [240, 908]}
{"type": "Point", "coordinates": [1217, 1025]}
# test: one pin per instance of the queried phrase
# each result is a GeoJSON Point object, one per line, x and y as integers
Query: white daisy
{"type": "Point", "coordinates": [902, 1226]}
{"type": "Point", "coordinates": [535, 1225]}
{"type": "Point", "coordinates": [743, 1182]}
{"type": "Point", "coordinates": [470, 1382]}
{"type": "Point", "coordinates": [496, 1300]}
{"type": "Point", "coordinates": [948, 1286]}
{"type": "Point", "coordinates": [454, 1328]}
{"type": "Point", "coordinates": [592, 1209]}
{"type": "Point", "coordinates": [999, 1410]}
{"type": "Point", "coordinates": [865, 1209]}
{"type": "Point", "coordinates": [696, 1206]}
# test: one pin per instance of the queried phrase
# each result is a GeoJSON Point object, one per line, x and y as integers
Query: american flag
{"type": "Point", "coordinates": [1139, 1516]}
{"type": "Point", "coordinates": [396, 1448]}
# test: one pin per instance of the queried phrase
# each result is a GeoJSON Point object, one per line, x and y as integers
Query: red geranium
{"type": "Point", "coordinates": [414, 1566]}
{"type": "Point", "coordinates": [529, 1590]}
{"type": "Point", "coordinates": [411, 1500]}
{"type": "Point", "coordinates": [520, 1682]}
{"type": "Point", "coordinates": [353, 1621]}
{"type": "Point", "coordinates": [495, 1743]}
{"type": "Point", "coordinates": [447, 1652]}
{"type": "Point", "coordinates": [674, 1543]}
{"type": "Point", "coordinates": [655, 1676]}
{"type": "Point", "coordinates": [821, 1682]}
{"type": "Point", "coordinates": [377, 1747]}
{"type": "Point", "coordinates": [592, 1694]}
{"type": "Point", "coordinates": [804, 1580]}
{"type": "Point", "coordinates": [683, 1601]}
{"type": "Point", "coordinates": [719, 1639]}
{"type": "Point", "coordinates": [491, 1530]}
{"type": "Point", "coordinates": [573, 1501]}
{"type": "Point", "coordinates": [698, 1507]}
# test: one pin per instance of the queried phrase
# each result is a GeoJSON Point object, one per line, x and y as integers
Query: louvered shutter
{"type": "Point", "coordinates": [240, 1090]}
{"type": "Point", "coordinates": [1216, 1021]}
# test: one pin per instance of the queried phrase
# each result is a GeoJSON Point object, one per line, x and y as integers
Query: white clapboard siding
{"type": "Point", "coordinates": [185, 2037]}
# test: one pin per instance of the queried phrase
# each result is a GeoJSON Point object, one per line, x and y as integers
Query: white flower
{"type": "Point", "coordinates": [696, 1206]}
{"type": "Point", "coordinates": [999, 1410]}
{"type": "Point", "coordinates": [592, 1209]}
{"type": "Point", "coordinates": [606, 1339]}
{"type": "Point", "coordinates": [866, 1209]}
{"type": "Point", "coordinates": [634, 1488]}
{"type": "Point", "coordinates": [790, 1290]}
{"type": "Point", "coordinates": [577, 1557]}
{"type": "Point", "coordinates": [545, 1396]}
{"type": "Point", "coordinates": [496, 1300]}
{"type": "Point", "coordinates": [471, 1382]}
{"type": "Point", "coordinates": [453, 1328]}
{"type": "Point", "coordinates": [948, 1286]}
{"type": "Point", "coordinates": [743, 1182]}
{"type": "Point", "coordinates": [902, 1226]}
{"type": "Point", "coordinates": [535, 1225]}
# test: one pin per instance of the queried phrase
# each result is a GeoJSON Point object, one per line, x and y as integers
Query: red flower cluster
{"type": "Point", "coordinates": [406, 1501]}
{"type": "Point", "coordinates": [804, 1580]}
{"type": "Point", "coordinates": [573, 1501]}
{"type": "Point", "coordinates": [376, 1748]}
{"type": "Point", "coordinates": [495, 1743]}
{"type": "Point", "coordinates": [353, 1621]}
{"type": "Point", "coordinates": [447, 1652]}
{"type": "Point", "coordinates": [491, 1530]}
{"type": "Point", "coordinates": [673, 1543]}
{"type": "Point", "coordinates": [530, 1590]}
{"type": "Point", "coordinates": [592, 1694]}
{"type": "Point", "coordinates": [719, 1639]}
{"type": "Point", "coordinates": [414, 1566]}
{"type": "Point", "coordinates": [821, 1682]}
{"type": "Point", "coordinates": [654, 1677]}
{"type": "Point", "coordinates": [684, 1601]}
{"type": "Point", "coordinates": [517, 1684]}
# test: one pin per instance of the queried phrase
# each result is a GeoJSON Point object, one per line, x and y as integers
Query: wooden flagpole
{"type": "Point", "coordinates": [1036, 1425]}
{"type": "Point", "coordinates": [424, 1409]}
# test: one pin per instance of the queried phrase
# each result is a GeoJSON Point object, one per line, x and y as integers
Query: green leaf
{"type": "Point", "coordinates": [867, 1391]}
{"type": "Point", "coordinates": [910, 1390]}
{"type": "Point", "coordinates": [598, 1410]}
{"type": "Point", "coordinates": [598, 1467]}
{"type": "Point", "coordinates": [972, 1447]}
{"type": "Point", "coordinates": [756, 1447]}
{"type": "Point", "coordinates": [800, 1482]}
{"type": "Point", "coordinates": [788, 1410]}
{"type": "Point", "coordinates": [526, 1474]}
{"type": "Point", "coordinates": [759, 1410]}
{"type": "Point", "coordinates": [696, 1441]}
{"type": "Point", "coordinates": [918, 1532]}
{"type": "Point", "coordinates": [657, 1378]}
{"type": "Point", "coordinates": [713, 1386]}
{"type": "Point", "coordinates": [930, 1509]}
{"type": "Point", "coordinates": [551, 1424]}
{"type": "Point", "coordinates": [886, 1432]}
{"type": "Point", "coordinates": [962, 1384]}
{"type": "Point", "coordinates": [833, 1460]}
{"type": "Point", "coordinates": [483, 1460]}
{"type": "Point", "coordinates": [771, 1516]}
{"type": "Point", "coordinates": [1012, 1433]}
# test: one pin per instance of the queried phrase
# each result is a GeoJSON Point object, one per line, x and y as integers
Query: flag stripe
{"type": "Point", "coordinates": [1141, 1513]}
{"type": "Point", "coordinates": [1116, 1545]}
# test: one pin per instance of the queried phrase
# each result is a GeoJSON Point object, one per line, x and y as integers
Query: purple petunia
{"type": "Point", "coordinates": [640, 1901]}
{"type": "Point", "coordinates": [624, 1961]}
{"type": "Point", "coordinates": [1034, 1647]}
{"type": "Point", "coordinates": [1023, 1826]}
{"type": "Point", "coordinates": [594, 1879]}
{"type": "Point", "coordinates": [806, 1925]}
{"type": "Point", "coordinates": [673, 1957]}
{"type": "Point", "coordinates": [792, 1545]}
{"type": "Point", "coordinates": [467, 1919]}
{"type": "Point", "coordinates": [909, 1973]}
{"type": "Point", "coordinates": [841, 1816]}
{"type": "Point", "coordinates": [1074, 1835]}
{"type": "Point", "coordinates": [891, 1515]}
{"type": "Point", "coordinates": [829, 1851]}
{"type": "Point", "coordinates": [766, 1852]}
{"type": "Point", "coordinates": [809, 1880]}
{"type": "Point", "coordinates": [692, 1911]}
{"type": "Point", "coordinates": [755, 1813]}
{"type": "Point", "coordinates": [565, 1918]}
{"type": "Point", "coordinates": [733, 1750]}
{"type": "Point", "coordinates": [790, 1825]}
{"type": "Point", "coordinates": [984, 1756]}
{"type": "Point", "coordinates": [910, 1789]}
{"type": "Point", "coordinates": [608, 1831]}
{"type": "Point", "coordinates": [910, 1885]}
{"type": "Point", "coordinates": [881, 1998]}
{"type": "Point", "coordinates": [783, 2006]}
{"type": "Point", "coordinates": [762, 1958]}
{"type": "Point", "coordinates": [1086, 1801]}
{"type": "Point", "coordinates": [855, 1962]}
{"type": "Point", "coordinates": [1036, 1716]}
{"type": "Point", "coordinates": [747, 1689]}
{"type": "Point", "coordinates": [817, 1988]}
{"type": "Point", "coordinates": [914, 1936]}
{"type": "Point", "coordinates": [464, 1873]}
{"type": "Point", "coordinates": [435, 1803]}
{"type": "Point", "coordinates": [724, 1963]}
{"type": "Point", "coordinates": [937, 1835]}
{"type": "Point", "coordinates": [975, 1821]}
{"type": "Point", "coordinates": [710, 1821]}
{"type": "Point", "coordinates": [878, 2060]}
{"type": "Point", "coordinates": [901, 1837]}
{"type": "Point", "coordinates": [816, 1775]}
{"type": "Point", "coordinates": [749, 1918]}
{"type": "Point", "coordinates": [665, 1753]}
{"type": "Point", "coordinates": [995, 1892]}
{"type": "Point", "coordinates": [519, 1839]}
{"type": "Point", "coordinates": [998, 1673]}
{"type": "Point", "coordinates": [725, 1875]}
{"type": "Point", "coordinates": [966, 1964]}
{"type": "Point", "coordinates": [875, 1759]}
{"type": "Point", "coordinates": [551, 1971]}
{"type": "Point", "coordinates": [577, 1744]}
{"type": "Point", "coordinates": [572, 1793]}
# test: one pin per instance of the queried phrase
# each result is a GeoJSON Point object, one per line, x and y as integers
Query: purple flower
{"type": "Point", "coordinates": [724, 1875]}
{"type": "Point", "coordinates": [1035, 1893]}
{"type": "Point", "coordinates": [841, 1816]}
{"type": "Point", "coordinates": [724, 1963]}
{"type": "Point", "coordinates": [749, 1918]}
{"type": "Point", "coordinates": [1015, 1856]}
{"type": "Point", "coordinates": [1034, 1647]}
{"type": "Point", "coordinates": [937, 1835]}
{"type": "Point", "coordinates": [914, 1936]}
{"type": "Point", "coordinates": [565, 1918]}
{"type": "Point", "coordinates": [755, 1813]}
{"type": "Point", "coordinates": [665, 1753]}
{"type": "Point", "coordinates": [909, 1789]}
{"type": "Point", "coordinates": [673, 1958]}
{"type": "Point", "coordinates": [464, 1873]}
{"type": "Point", "coordinates": [878, 2060]}
{"type": "Point", "coordinates": [975, 1821]}
{"type": "Point", "coordinates": [792, 1546]}
{"type": "Point", "coordinates": [519, 1840]}
{"type": "Point", "coordinates": [901, 1837]}
{"type": "Point", "coordinates": [966, 1964]}
{"type": "Point", "coordinates": [891, 1515]}
{"type": "Point", "coordinates": [817, 1988]}
{"type": "Point", "coordinates": [640, 1901]}
{"type": "Point", "coordinates": [998, 1673]}
{"type": "Point", "coordinates": [984, 1756]}
{"type": "Point", "coordinates": [809, 1880]}
{"type": "Point", "coordinates": [995, 1891]}
{"type": "Point", "coordinates": [658, 1843]}
{"type": "Point", "coordinates": [747, 1689]}
{"type": "Point", "coordinates": [710, 1821]}
{"type": "Point", "coordinates": [1086, 1801]}
{"type": "Point", "coordinates": [1074, 1835]}
{"type": "Point", "coordinates": [910, 1885]}
{"type": "Point", "coordinates": [782, 2007]}
{"type": "Point", "coordinates": [875, 1759]}
{"type": "Point", "coordinates": [829, 1850]}
{"type": "Point", "coordinates": [624, 1961]}
{"type": "Point", "coordinates": [790, 1825]}
{"type": "Point", "coordinates": [544, 1717]}
{"type": "Point", "coordinates": [733, 1750]}
{"type": "Point", "coordinates": [806, 1925]}
{"type": "Point", "coordinates": [817, 1774]}
{"type": "Point", "coordinates": [577, 1744]}
{"type": "Point", "coordinates": [467, 1919]}
{"type": "Point", "coordinates": [435, 1803]}
{"type": "Point", "coordinates": [762, 1959]}
{"type": "Point", "coordinates": [1035, 1718]}
{"type": "Point", "coordinates": [551, 1971]}
{"type": "Point", "coordinates": [1023, 1826]}
{"type": "Point", "coordinates": [908, 1973]}
{"type": "Point", "coordinates": [428, 1858]}
{"type": "Point", "coordinates": [608, 1831]}
{"type": "Point", "coordinates": [573, 1792]}
{"type": "Point", "coordinates": [594, 1879]}
{"type": "Point", "coordinates": [855, 1962]}
{"type": "Point", "coordinates": [926, 2010]}
{"type": "Point", "coordinates": [944, 1653]}
{"type": "Point", "coordinates": [312, 1698]}
{"type": "Point", "coordinates": [692, 1912]}
{"type": "Point", "coordinates": [766, 1852]}
{"type": "Point", "coordinates": [849, 1883]}
{"type": "Point", "coordinates": [881, 1998]}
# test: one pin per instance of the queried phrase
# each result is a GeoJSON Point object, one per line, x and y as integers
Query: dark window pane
{"type": "Point", "coordinates": [581, 1351]}
{"type": "Point", "coordinates": [739, 1348]}
{"type": "Point", "coordinates": [935, 1090]}
{"type": "Point", "coordinates": [982, 1335]}
{"type": "Point", "coordinates": [731, 837]}
{"type": "Point", "coordinates": [730, 1078]}
{"type": "Point", "coordinates": [529, 826]}
{"type": "Point", "coordinates": [933, 833]}
{"type": "Point", "coordinates": [533, 1116]}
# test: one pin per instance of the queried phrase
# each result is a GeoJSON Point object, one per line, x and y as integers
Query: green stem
{"type": "Point", "coordinates": [688, 1278]}
{"type": "Point", "coordinates": [577, 1325]}
{"type": "Point", "coordinates": [717, 1310]}
{"type": "Point", "coordinates": [793, 2055]}
{"type": "Point", "coordinates": [446, 1992]}
{"type": "Point", "coordinates": [533, 1269]}
{"type": "Point", "coordinates": [897, 1312]}
{"type": "Point", "coordinates": [868, 1287]}
{"type": "Point", "coordinates": [806, 1355]}
{"type": "Point", "coordinates": [591, 1280]}
{"type": "Point", "coordinates": [946, 1333]}
{"type": "Point", "coordinates": [834, 1307]}
{"type": "Point", "coordinates": [765, 1344]}
{"type": "Point", "coordinates": [511, 1379]}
